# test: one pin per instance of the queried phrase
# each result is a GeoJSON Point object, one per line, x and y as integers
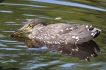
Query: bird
{"type": "Point", "coordinates": [59, 35]}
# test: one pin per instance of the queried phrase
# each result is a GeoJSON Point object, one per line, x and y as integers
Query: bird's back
{"type": "Point", "coordinates": [64, 33]}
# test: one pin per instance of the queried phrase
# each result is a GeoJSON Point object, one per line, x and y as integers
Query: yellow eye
{"type": "Point", "coordinates": [29, 27]}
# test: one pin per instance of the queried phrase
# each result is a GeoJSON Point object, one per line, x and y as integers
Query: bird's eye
{"type": "Point", "coordinates": [30, 25]}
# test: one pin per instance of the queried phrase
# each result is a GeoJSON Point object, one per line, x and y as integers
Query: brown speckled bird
{"type": "Point", "coordinates": [60, 33]}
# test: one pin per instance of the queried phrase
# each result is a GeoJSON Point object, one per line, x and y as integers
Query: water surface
{"type": "Point", "coordinates": [13, 15]}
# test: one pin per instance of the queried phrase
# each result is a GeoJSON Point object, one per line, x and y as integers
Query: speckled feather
{"type": "Point", "coordinates": [63, 33]}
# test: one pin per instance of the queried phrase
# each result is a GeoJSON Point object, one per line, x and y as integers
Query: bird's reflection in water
{"type": "Point", "coordinates": [82, 51]}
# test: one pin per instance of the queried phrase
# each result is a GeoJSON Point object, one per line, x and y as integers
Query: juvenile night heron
{"type": "Point", "coordinates": [74, 38]}
{"type": "Point", "coordinates": [59, 33]}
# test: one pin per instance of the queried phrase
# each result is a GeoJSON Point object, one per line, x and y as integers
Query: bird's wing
{"type": "Point", "coordinates": [83, 34]}
{"type": "Point", "coordinates": [64, 34]}
{"type": "Point", "coordinates": [51, 33]}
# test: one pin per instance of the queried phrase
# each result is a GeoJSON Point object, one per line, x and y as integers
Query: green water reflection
{"type": "Point", "coordinates": [13, 15]}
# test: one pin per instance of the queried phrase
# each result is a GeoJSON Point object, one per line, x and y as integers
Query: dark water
{"type": "Point", "coordinates": [14, 13]}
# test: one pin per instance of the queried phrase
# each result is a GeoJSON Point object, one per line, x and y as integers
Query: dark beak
{"type": "Point", "coordinates": [18, 32]}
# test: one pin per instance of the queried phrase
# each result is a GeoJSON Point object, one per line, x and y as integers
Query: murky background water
{"type": "Point", "coordinates": [14, 13]}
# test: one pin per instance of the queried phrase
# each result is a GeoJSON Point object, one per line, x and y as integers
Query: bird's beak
{"type": "Point", "coordinates": [18, 32]}
{"type": "Point", "coordinates": [22, 30]}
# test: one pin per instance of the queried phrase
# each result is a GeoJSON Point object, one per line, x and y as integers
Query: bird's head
{"type": "Point", "coordinates": [27, 28]}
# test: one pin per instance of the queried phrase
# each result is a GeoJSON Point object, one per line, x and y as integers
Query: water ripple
{"type": "Point", "coordinates": [71, 4]}
{"type": "Point", "coordinates": [68, 65]}
{"type": "Point", "coordinates": [6, 11]}
{"type": "Point", "coordinates": [22, 5]}
{"type": "Point", "coordinates": [33, 66]}
{"type": "Point", "coordinates": [9, 49]}
{"type": "Point", "coordinates": [11, 60]}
